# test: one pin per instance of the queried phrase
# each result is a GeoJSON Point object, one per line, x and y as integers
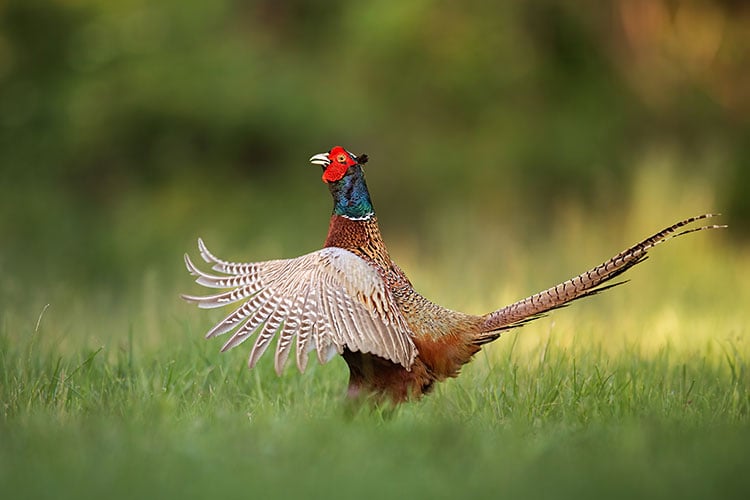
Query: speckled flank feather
{"type": "Point", "coordinates": [350, 298]}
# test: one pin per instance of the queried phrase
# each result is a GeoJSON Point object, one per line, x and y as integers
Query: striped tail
{"type": "Point", "coordinates": [589, 283]}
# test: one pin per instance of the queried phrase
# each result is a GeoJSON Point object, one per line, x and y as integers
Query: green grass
{"type": "Point", "coordinates": [530, 417]}
{"type": "Point", "coordinates": [643, 392]}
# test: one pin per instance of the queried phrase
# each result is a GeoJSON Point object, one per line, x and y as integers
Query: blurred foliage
{"type": "Point", "coordinates": [125, 127]}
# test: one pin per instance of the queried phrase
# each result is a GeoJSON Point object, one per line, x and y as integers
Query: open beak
{"type": "Point", "coordinates": [320, 159]}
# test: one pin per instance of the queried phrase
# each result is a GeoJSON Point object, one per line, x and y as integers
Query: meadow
{"type": "Point", "coordinates": [512, 145]}
{"type": "Point", "coordinates": [643, 391]}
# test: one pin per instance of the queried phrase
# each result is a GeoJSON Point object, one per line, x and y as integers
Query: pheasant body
{"type": "Point", "coordinates": [442, 337]}
{"type": "Point", "coordinates": [350, 298]}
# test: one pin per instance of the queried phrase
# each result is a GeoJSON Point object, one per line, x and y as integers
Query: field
{"type": "Point", "coordinates": [512, 145]}
{"type": "Point", "coordinates": [642, 392]}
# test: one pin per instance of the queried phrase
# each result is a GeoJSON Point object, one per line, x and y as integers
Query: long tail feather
{"type": "Point", "coordinates": [584, 285]}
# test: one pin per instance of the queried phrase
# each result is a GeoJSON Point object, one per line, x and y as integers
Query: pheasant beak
{"type": "Point", "coordinates": [320, 159]}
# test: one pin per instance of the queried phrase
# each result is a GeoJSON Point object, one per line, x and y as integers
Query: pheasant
{"type": "Point", "coordinates": [350, 298]}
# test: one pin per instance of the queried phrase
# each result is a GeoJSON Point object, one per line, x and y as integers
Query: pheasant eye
{"type": "Point", "coordinates": [341, 159]}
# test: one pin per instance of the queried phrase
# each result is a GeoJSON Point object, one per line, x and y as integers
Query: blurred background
{"type": "Point", "coordinates": [504, 137]}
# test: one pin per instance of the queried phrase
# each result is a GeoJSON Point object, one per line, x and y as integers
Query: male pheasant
{"type": "Point", "coordinates": [350, 298]}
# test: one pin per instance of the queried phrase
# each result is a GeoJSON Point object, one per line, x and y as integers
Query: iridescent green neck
{"type": "Point", "coordinates": [350, 196]}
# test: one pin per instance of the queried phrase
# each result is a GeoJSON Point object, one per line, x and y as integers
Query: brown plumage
{"type": "Point", "coordinates": [350, 298]}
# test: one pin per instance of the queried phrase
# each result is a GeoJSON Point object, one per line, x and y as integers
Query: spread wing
{"type": "Point", "coordinates": [325, 300]}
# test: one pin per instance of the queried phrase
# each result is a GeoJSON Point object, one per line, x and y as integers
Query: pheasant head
{"type": "Point", "coordinates": [336, 163]}
{"type": "Point", "coordinates": [343, 173]}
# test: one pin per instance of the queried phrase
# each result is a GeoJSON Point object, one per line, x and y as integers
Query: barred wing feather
{"type": "Point", "coordinates": [325, 300]}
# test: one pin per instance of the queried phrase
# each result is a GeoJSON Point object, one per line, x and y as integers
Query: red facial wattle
{"type": "Point", "coordinates": [341, 160]}
{"type": "Point", "coordinates": [334, 172]}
